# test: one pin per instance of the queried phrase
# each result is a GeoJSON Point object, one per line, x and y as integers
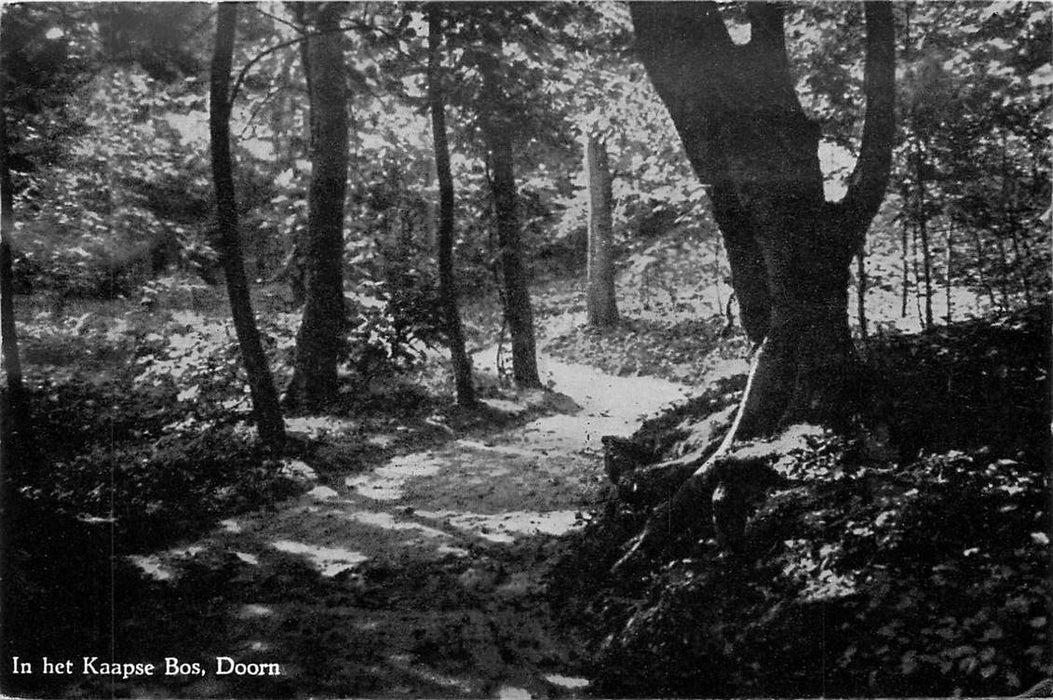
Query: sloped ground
{"type": "Point", "coordinates": [910, 560]}
{"type": "Point", "coordinates": [424, 577]}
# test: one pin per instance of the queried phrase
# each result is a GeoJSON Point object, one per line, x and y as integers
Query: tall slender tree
{"type": "Point", "coordinates": [462, 362]}
{"type": "Point", "coordinates": [601, 307]}
{"type": "Point", "coordinates": [321, 338]}
{"type": "Point", "coordinates": [265, 404]}
{"type": "Point", "coordinates": [15, 432]}
{"type": "Point", "coordinates": [497, 126]}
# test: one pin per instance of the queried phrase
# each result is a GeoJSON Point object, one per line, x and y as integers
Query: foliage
{"type": "Point", "coordinates": [135, 420]}
{"type": "Point", "coordinates": [861, 576]}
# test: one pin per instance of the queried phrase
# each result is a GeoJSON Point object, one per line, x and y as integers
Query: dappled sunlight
{"type": "Point", "coordinates": [386, 521]}
{"type": "Point", "coordinates": [567, 681]}
{"type": "Point", "coordinates": [152, 567]}
{"type": "Point", "coordinates": [406, 663]}
{"type": "Point", "coordinates": [254, 610]}
{"type": "Point", "coordinates": [387, 483]}
{"type": "Point", "coordinates": [298, 470]}
{"type": "Point", "coordinates": [250, 559]}
{"type": "Point", "coordinates": [230, 525]}
{"type": "Point", "coordinates": [314, 427]}
{"type": "Point", "coordinates": [329, 561]}
{"type": "Point", "coordinates": [162, 565]}
{"type": "Point", "coordinates": [506, 527]}
{"type": "Point", "coordinates": [323, 493]}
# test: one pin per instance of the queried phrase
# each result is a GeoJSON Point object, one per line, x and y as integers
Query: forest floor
{"type": "Point", "coordinates": [415, 549]}
{"type": "Point", "coordinates": [422, 577]}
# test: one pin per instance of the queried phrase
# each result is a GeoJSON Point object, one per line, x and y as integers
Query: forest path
{"type": "Point", "coordinates": [425, 576]}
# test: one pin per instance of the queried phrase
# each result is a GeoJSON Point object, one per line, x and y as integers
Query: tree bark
{"type": "Point", "coordinates": [16, 436]}
{"type": "Point", "coordinates": [923, 229]}
{"type": "Point", "coordinates": [320, 341]}
{"type": "Point", "coordinates": [600, 304]}
{"type": "Point", "coordinates": [462, 362]}
{"type": "Point", "coordinates": [861, 292]}
{"type": "Point", "coordinates": [497, 127]}
{"type": "Point", "coordinates": [948, 241]}
{"type": "Point", "coordinates": [905, 255]}
{"type": "Point", "coordinates": [264, 396]}
{"type": "Point", "coordinates": [746, 135]}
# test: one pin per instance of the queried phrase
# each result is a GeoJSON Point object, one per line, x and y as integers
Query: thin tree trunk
{"type": "Point", "coordinates": [1003, 270]}
{"type": "Point", "coordinates": [16, 436]}
{"type": "Point", "coordinates": [497, 131]}
{"type": "Point", "coordinates": [917, 276]}
{"type": "Point", "coordinates": [981, 259]}
{"type": "Point", "coordinates": [462, 362]}
{"type": "Point", "coordinates": [861, 292]}
{"type": "Point", "coordinates": [1010, 224]}
{"type": "Point", "coordinates": [1019, 258]}
{"type": "Point", "coordinates": [264, 397]}
{"type": "Point", "coordinates": [600, 304]}
{"type": "Point", "coordinates": [320, 340]}
{"type": "Point", "coordinates": [905, 259]}
{"type": "Point", "coordinates": [923, 231]}
{"type": "Point", "coordinates": [949, 242]}
{"type": "Point", "coordinates": [296, 265]}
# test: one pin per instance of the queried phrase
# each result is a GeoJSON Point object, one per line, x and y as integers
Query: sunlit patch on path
{"type": "Point", "coordinates": [452, 544]}
{"type": "Point", "coordinates": [330, 561]}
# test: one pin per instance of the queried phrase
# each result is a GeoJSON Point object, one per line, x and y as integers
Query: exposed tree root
{"type": "Point", "coordinates": [713, 495]}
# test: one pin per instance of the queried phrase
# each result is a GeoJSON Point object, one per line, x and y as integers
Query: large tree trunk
{"type": "Point", "coordinates": [320, 341]}
{"type": "Point", "coordinates": [600, 305]}
{"type": "Point", "coordinates": [264, 396]}
{"type": "Point", "coordinates": [497, 127]}
{"type": "Point", "coordinates": [746, 135]}
{"type": "Point", "coordinates": [462, 362]}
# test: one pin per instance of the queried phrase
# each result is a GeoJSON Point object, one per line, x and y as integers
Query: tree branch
{"type": "Point", "coordinates": [243, 73]}
{"type": "Point", "coordinates": [688, 54]}
{"type": "Point", "coordinates": [766, 27]}
{"type": "Point", "coordinates": [866, 185]}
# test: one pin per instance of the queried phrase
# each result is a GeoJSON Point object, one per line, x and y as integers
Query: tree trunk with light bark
{"type": "Point", "coordinates": [265, 404]}
{"type": "Point", "coordinates": [600, 305]}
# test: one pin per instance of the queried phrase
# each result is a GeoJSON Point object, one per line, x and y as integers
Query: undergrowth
{"type": "Point", "coordinates": [920, 572]}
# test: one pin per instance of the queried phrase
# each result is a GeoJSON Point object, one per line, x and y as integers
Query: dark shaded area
{"type": "Point", "coordinates": [917, 570]}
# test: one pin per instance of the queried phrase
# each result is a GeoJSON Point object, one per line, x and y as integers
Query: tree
{"type": "Point", "coordinates": [496, 123]}
{"type": "Point", "coordinates": [264, 396]}
{"type": "Point", "coordinates": [462, 362]}
{"type": "Point", "coordinates": [320, 340]}
{"type": "Point", "coordinates": [15, 432]}
{"type": "Point", "coordinates": [747, 136]}
{"type": "Point", "coordinates": [599, 302]}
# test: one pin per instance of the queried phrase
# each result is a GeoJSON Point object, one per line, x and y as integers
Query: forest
{"type": "Point", "coordinates": [525, 349]}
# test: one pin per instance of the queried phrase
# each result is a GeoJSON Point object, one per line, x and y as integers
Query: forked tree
{"type": "Point", "coordinates": [746, 135]}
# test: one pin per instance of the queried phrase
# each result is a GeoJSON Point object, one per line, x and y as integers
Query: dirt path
{"type": "Point", "coordinates": [424, 577]}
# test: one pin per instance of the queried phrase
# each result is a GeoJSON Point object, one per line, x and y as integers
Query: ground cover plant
{"type": "Point", "coordinates": [916, 568]}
